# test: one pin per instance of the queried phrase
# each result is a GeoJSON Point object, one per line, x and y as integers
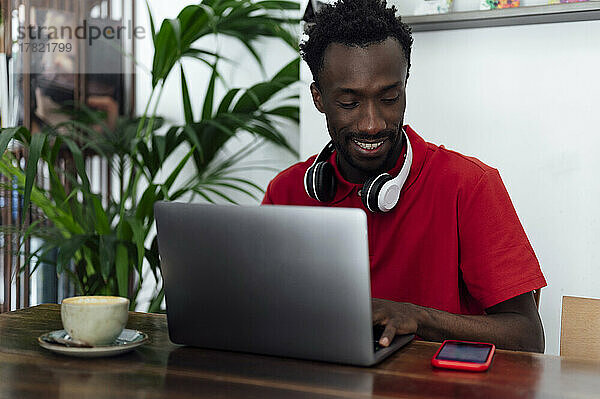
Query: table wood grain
{"type": "Point", "coordinates": [161, 369]}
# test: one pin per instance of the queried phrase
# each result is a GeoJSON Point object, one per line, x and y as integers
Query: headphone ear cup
{"type": "Point", "coordinates": [325, 182]}
{"type": "Point", "coordinates": [370, 191]}
{"type": "Point", "coordinates": [320, 182]}
{"type": "Point", "coordinates": [308, 181]}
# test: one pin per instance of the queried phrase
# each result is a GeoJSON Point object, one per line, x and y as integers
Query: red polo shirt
{"type": "Point", "coordinates": [453, 242]}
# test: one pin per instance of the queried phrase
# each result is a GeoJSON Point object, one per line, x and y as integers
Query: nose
{"type": "Point", "coordinates": [371, 120]}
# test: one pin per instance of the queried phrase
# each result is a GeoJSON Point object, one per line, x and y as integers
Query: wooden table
{"type": "Point", "coordinates": [161, 369]}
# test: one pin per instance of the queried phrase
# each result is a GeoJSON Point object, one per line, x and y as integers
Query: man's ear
{"type": "Point", "coordinates": [317, 98]}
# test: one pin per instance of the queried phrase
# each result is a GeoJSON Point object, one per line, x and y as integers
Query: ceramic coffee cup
{"type": "Point", "coordinates": [94, 320]}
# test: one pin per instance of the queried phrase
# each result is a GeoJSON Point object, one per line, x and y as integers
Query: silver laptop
{"type": "Point", "coordinates": [275, 280]}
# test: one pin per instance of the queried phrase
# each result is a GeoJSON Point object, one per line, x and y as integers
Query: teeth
{"type": "Point", "coordinates": [368, 146]}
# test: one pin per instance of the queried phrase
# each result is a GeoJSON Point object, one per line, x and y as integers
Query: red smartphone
{"type": "Point", "coordinates": [464, 355]}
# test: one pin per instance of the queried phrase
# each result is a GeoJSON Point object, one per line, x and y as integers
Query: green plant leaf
{"type": "Point", "coordinates": [8, 134]}
{"type": "Point", "coordinates": [153, 258]}
{"type": "Point", "coordinates": [55, 150]}
{"type": "Point", "coordinates": [196, 21]}
{"type": "Point", "coordinates": [100, 220]}
{"type": "Point", "coordinates": [79, 163]}
{"type": "Point", "coordinates": [40, 255]}
{"type": "Point", "coordinates": [173, 139]}
{"type": "Point", "coordinates": [221, 194]}
{"type": "Point", "coordinates": [258, 94]}
{"type": "Point", "coordinates": [218, 169]}
{"type": "Point", "coordinates": [146, 204]}
{"type": "Point", "coordinates": [227, 100]}
{"type": "Point", "coordinates": [279, 5]}
{"type": "Point", "coordinates": [107, 255]}
{"type": "Point", "coordinates": [198, 53]}
{"type": "Point", "coordinates": [192, 137]}
{"type": "Point", "coordinates": [175, 195]}
{"type": "Point", "coordinates": [291, 112]}
{"type": "Point", "coordinates": [221, 126]}
{"type": "Point", "coordinates": [122, 269]}
{"type": "Point", "coordinates": [187, 106]}
{"type": "Point", "coordinates": [124, 232]}
{"type": "Point", "coordinates": [207, 109]}
{"type": "Point", "coordinates": [289, 73]}
{"type": "Point", "coordinates": [251, 50]}
{"type": "Point", "coordinates": [150, 159]}
{"type": "Point", "coordinates": [237, 188]}
{"type": "Point", "coordinates": [244, 181]}
{"type": "Point", "coordinates": [157, 301]}
{"type": "Point", "coordinates": [152, 28]}
{"type": "Point", "coordinates": [67, 250]}
{"type": "Point", "coordinates": [139, 237]}
{"type": "Point", "coordinates": [203, 195]}
{"type": "Point", "coordinates": [159, 145]}
{"type": "Point", "coordinates": [165, 52]}
{"type": "Point", "coordinates": [57, 190]}
{"type": "Point", "coordinates": [166, 186]}
{"type": "Point", "coordinates": [35, 150]}
{"type": "Point", "coordinates": [208, 64]}
{"type": "Point", "coordinates": [57, 215]}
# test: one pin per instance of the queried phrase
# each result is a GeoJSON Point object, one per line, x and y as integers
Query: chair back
{"type": "Point", "coordinates": [580, 328]}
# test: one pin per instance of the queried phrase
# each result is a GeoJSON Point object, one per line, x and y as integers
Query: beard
{"type": "Point", "coordinates": [344, 141]}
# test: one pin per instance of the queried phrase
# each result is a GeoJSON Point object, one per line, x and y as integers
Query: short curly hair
{"type": "Point", "coordinates": [352, 23]}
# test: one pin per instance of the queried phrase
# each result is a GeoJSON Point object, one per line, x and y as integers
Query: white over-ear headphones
{"type": "Point", "coordinates": [379, 193]}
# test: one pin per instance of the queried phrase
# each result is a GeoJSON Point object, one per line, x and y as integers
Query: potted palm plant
{"type": "Point", "coordinates": [103, 242]}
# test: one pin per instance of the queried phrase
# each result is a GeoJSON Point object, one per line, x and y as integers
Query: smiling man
{"type": "Point", "coordinates": [449, 257]}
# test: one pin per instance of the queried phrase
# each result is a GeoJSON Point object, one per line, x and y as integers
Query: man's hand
{"type": "Point", "coordinates": [397, 317]}
{"type": "Point", "coordinates": [512, 324]}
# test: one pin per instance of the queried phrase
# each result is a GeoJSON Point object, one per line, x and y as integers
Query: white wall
{"type": "Point", "coordinates": [523, 99]}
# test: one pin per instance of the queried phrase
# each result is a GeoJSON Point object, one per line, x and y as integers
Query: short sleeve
{"type": "Point", "coordinates": [496, 259]}
{"type": "Point", "coordinates": [267, 198]}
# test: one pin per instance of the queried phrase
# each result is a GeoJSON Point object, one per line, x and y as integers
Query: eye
{"type": "Point", "coordinates": [391, 100]}
{"type": "Point", "coordinates": [349, 105]}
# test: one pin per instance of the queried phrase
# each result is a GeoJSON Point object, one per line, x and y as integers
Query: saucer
{"type": "Point", "coordinates": [128, 340]}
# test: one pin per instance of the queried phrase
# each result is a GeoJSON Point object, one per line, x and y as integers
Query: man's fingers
{"type": "Point", "coordinates": [394, 317]}
{"type": "Point", "coordinates": [379, 313]}
{"type": "Point", "coordinates": [388, 334]}
{"type": "Point", "coordinates": [380, 317]}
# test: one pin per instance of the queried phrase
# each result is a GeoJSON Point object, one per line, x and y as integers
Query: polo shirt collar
{"type": "Point", "coordinates": [419, 148]}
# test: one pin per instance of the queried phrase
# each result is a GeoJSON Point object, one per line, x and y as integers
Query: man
{"type": "Point", "coordinates": [450, 260]}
